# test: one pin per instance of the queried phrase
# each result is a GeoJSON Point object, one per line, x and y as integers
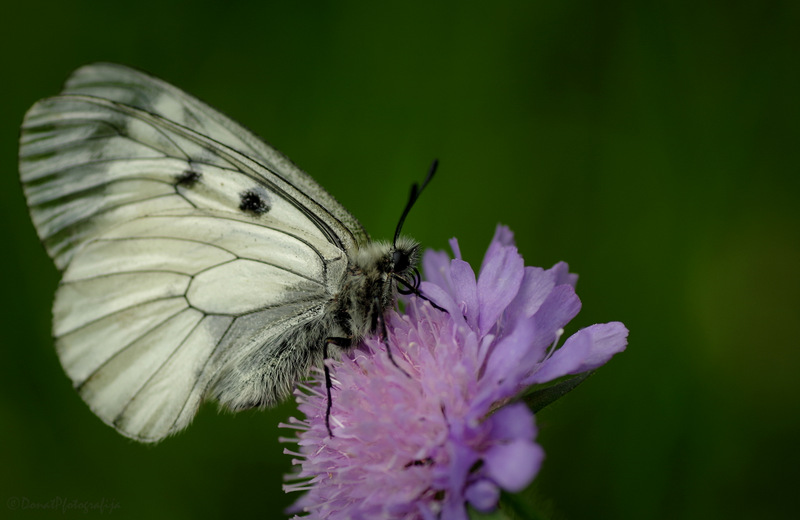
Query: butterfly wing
{"type": "Point", "coordinates": [186, 243]}
{"type": "Point", "coordinates": [109, 147]}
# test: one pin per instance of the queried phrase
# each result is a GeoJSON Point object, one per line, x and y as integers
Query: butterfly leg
{"type": "Point", "coordinates": [385, 337]}
{"type": "Point", "coordinates": [342, 343]}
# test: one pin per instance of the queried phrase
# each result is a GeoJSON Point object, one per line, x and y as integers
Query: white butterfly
{"type": "Point", "coordinates": [198, 262]}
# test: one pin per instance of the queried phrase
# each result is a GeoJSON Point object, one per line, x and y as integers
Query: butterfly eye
{"type": "Point", "coordinates": [400, 261]}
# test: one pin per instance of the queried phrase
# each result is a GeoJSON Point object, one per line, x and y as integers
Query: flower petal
{"type": "Point", "coordinates": [442, 298]}
{"type": "Point", "coordinates": [585, 350]}
{"type": "Point", "coordinates": [561, 305]}
{"type": "Point", "coordinates": [509, 361]}
{"type": "Point", "coordinates": [536, 285]}
{"type": "Point", "coordinates": [513, 421]}
{"type": "Point", "coordinates": [454, 246]}
{"type": "Point", "coordinates": [436, 266]}
{"type": "Point", "coordinates": [561, 274]}
{"type": "Point", "coordinates": [483, 495]}
{"type": "Point", "coordinates": [453, 509]}
{"type": "Point", "coordinates": [513, 465]}
{"type": "Point", "coordinates": [503, 237]}
{"type": "Point", "coordinates": [498, 284]}
{"type": "Point", "coordinates": [465, 290]}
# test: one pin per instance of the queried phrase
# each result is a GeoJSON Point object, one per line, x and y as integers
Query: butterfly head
{"type": "Point", "coordinates": [390, 262]}
{"type": "Point", "coordinates": [403, 262]}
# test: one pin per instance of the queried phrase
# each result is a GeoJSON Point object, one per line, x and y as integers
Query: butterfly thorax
{"type": "Point", "coordinates": [370, 286]}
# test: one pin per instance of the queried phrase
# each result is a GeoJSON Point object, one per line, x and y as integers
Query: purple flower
{"type": "Point", "coordinates": [425, 446]}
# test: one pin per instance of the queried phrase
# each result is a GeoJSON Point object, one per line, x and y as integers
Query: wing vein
{"type": "Point", "coordinates": [157, 370]}
{"type": "Point", "coordinates": [129, 307]}
{"type": "Point", "coordinates": [85, 219]}
{"type": "Point", "coordinates": [203, 371]}
{"type": "Point", "coordinates": [128, 345]}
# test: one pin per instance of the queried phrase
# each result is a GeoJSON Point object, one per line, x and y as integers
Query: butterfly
{"type": "Point", "coordinates": [198, 263]}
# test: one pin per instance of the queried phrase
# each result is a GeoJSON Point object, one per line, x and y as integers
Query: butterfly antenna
{"type": "Point", "coordinates": [412, 198]}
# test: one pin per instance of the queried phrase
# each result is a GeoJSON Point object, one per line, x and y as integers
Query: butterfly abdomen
{"type": "Point", "coordinates": [266, 376]}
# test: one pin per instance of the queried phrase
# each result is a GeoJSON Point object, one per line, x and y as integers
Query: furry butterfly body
{"type": "Point", "coordinates": [197, 262]}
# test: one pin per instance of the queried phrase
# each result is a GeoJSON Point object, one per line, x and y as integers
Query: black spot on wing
{"type": "Point", "coordinates": [187, 178]}
{"type": "Point", "coordinates": [254, 202]}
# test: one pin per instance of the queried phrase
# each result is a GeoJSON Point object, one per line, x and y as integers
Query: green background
{"type": "Point", "coordinates": [652, 145]}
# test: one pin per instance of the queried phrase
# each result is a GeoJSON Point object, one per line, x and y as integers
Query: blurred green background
{"type": "Point", "coordinates": [652, 145]}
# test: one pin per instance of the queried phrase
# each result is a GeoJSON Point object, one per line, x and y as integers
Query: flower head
{"type": "Point", "coordinates": [439, 433]}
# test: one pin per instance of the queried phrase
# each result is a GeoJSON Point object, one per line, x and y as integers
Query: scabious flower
{"type": "Point", "coordinates": [444, 432]}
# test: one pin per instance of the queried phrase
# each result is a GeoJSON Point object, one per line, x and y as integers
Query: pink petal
{"type": "Point", "coordinates": [513, 465]}
{"type": "Point", "coordinates": [585, 350]}
{"type": "Point", "coordinates": [498, 284]}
